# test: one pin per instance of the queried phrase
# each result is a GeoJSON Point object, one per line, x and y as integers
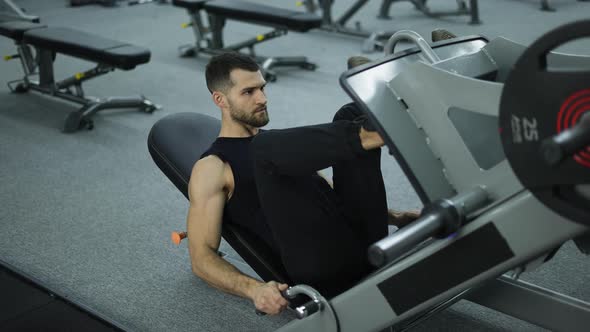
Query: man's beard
{"type": "Point", "coordinates": [256, 120]}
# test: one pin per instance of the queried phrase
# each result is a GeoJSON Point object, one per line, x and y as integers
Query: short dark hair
{"type": "Point", "coordinates": [220, 66]}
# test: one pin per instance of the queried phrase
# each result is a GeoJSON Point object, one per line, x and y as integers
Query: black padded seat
{"type": "Point", "coordinates": [88, 46]}
{"type": "Point", "coordinates": [16, 29]}
{"type": "Point", "coordinates": [190, 4]}
{"type": "Point", "coordinates": [264, 15]}
{"type": "Point", "coordinates": [175, 143]}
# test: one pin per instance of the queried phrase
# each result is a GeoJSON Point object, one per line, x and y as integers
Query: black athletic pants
{"type": "Point", "coordinates": [322, 233]}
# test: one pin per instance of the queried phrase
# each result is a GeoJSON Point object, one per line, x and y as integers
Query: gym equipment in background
{"type": "Point", "coordinates": [38, 45]}
{"type": "Point", "coordinates": [471, 10]}
{"type": "Point", "coordinates": [546, 6]}
{"type": "Point", "coordinates": [373, 41]}
{"type": "Point", "coordinates": [209, 39]}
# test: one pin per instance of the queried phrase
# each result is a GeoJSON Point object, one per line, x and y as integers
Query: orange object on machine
{"type": "Point", "coordinates": [178, 236]}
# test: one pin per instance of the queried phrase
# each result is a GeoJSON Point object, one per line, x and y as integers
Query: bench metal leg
{"type": "Point", "coordinates": [474, 8]}
{"type": "Point", "coordinates": [351, 11]}
{"type": "Point", "coordinates": [46, 58]}
{"type": "Point", "coordinates": [386, 6]}
{"type": "Point", "coordinates": [216, 25]}
{"type": "Point", "coordinates": [384, 9]}
{"type": "Point", "coordinates": [83, 117]}
{"type": "Point", "coordinates": [545, 6]}
{"type": "Point", "coordinates": [295, 61]}
{"type": "Point", "coordinates": [250, 43]}
{"type": "Point", "coordinates": [200, 32]}
{"type": "Point", "coordinates": [326, 6]}
{"type": "Point", "coordinates": [310, 6]}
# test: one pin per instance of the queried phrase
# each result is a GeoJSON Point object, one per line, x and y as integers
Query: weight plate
{"type": "Point", "coordinates": [537, 104]}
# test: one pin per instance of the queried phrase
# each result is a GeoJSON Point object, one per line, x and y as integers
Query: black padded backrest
{"type": "Point", "coordinates": [88, 46]}
{"type": "Point", "coordinates": [175, 143]}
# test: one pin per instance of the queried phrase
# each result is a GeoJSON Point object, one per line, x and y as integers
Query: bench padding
{"type": "Point", "coordinates": [264, 15]}
{"type": "Point", "coordinates": [193, 5]}
{"type": "Point", "coordinates": [16, 29]}
{"type": "Point", "coordinates": [88, 46]}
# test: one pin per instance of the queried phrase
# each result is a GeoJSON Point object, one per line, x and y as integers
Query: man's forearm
{"type": "Point", "coordinates": [222, 275]}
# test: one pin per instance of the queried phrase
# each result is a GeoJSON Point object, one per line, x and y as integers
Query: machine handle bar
{"type": "Point", "coordinates": [413, 37]}
{"type": "Point", "coordinates": [439, 219]}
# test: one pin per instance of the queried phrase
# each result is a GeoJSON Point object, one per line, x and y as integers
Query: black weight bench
{"type": "Point", "coordinates": [209, 39]}
{"type": "Point", "coordinates": [48, 42]}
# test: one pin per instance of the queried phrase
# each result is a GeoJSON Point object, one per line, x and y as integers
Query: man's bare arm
{"type": "Point", "coordinates": [208, 195]}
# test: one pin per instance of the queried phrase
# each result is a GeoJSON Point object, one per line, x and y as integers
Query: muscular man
{"type": "Point", "coordinates": [267, 182]}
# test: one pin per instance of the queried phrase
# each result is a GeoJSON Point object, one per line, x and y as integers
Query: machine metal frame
{"type": "Point", "coordinates": [441, 165]}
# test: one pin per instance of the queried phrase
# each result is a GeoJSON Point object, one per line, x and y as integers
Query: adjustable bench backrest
{"type": "Point", "coordinates": [175, 143]}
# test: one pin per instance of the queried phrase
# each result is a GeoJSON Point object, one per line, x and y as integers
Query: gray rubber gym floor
{"type": "Point", "coordinates": [90, 215]}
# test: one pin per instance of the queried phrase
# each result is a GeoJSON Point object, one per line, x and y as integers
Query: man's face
{"type": "Point", "coordinates": [246, 98]}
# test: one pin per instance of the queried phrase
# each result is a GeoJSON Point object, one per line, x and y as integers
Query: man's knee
{"type": "Point", "coordinates": [348, 112]}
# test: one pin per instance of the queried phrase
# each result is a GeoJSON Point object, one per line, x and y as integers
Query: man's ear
{"type": "Point", "coordinates": [219, 99]}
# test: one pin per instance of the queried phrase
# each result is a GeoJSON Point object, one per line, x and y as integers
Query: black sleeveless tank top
{"type": "Point", "coordinates": [243, 208]}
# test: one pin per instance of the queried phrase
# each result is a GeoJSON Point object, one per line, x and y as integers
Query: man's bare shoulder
{"type": "Point", "coordinates": [211, 174]}
{"type": "Point", "coordinates": [209, 163]}
{"type": "Point", "coordinates": [210, 167]}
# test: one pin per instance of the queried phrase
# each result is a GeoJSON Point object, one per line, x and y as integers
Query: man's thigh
{"type": "Point", "coordinates": [316, 245]}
